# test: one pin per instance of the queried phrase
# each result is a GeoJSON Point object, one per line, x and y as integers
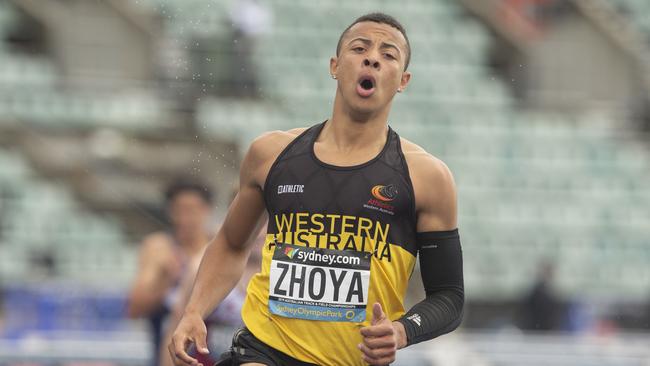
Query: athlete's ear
{"type": "Point", "coordinates": [406, 77]}
{"type": "Point", "coordinates": [334, 63]}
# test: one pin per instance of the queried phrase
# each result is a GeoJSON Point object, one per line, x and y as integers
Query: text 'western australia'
{"type": "Point", "coordinates": [333, 231]}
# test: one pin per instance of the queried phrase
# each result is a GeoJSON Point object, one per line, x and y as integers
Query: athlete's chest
{"type": "Point", "coordinates": [375, 192]}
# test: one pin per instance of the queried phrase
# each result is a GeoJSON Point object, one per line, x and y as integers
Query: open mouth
{"type": "Point", "coordinates": [366, 86]}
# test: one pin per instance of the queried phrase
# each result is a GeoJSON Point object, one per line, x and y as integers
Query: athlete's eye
{"type": "Point", "coordinates": [389, 55]}
{"type": "Point", "coordinates": [358, 49]}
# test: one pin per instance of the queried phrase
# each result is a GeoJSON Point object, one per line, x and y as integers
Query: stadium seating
{"type": "Point", "coordinates": [532, 186]}
{"type": "Point", "coordinates": [637, 11]}
{"type": "Point", "coordinates": [41, 219]}
{"type": "Point", "coordinates": [30, 92]}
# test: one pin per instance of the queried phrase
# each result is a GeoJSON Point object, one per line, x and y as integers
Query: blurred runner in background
{"type": "Point", "coordinates": [166, 255]}
{"type": "Point", "coordinates": [225, 318]}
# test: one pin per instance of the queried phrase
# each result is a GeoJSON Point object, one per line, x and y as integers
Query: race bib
{"type": "Point", "coordinates": [319, 284]}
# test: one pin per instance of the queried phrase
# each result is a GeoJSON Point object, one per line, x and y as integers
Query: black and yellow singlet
{"type": "Point", "coordinates": [338, 240]}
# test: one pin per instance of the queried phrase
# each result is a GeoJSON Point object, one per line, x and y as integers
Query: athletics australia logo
{"type": "Point", "coordinates": [384, 193]}
{"type": "Point", "coordinates": [381, 195]}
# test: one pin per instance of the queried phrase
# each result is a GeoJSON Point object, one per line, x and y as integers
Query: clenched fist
{"type": "Point", "coordinates": [381, 339]}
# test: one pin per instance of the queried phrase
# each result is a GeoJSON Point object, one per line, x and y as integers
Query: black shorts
{"type": "Point", "coordinates": [246, 348]}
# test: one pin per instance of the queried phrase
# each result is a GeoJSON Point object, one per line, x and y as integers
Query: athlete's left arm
{"type": "Point", "coordinates": [440, 263]}
{"type": "Point", "coordinates": [440, 254]}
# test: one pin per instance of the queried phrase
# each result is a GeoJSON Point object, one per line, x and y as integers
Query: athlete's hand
{"type": "Point", "coordinates": [190, 330]}
{"type": "Point", "coordinates": [381, 339]}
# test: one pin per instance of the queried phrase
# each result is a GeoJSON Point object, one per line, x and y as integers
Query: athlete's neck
{"type": "Point", "coordinates": [350, 131]}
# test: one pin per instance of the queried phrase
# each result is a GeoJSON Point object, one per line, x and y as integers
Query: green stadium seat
{"type": "Point", "coordinates": [39, 216]}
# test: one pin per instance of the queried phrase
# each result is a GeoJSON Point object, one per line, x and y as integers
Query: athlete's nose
{"type": "Point", "coordinates": [371, 62]}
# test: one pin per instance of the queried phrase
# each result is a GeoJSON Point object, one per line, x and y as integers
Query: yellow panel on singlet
{"type": "Point", "coordinates": [318, 341]}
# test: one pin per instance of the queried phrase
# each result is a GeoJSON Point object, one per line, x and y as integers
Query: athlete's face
{"type": "Point", "coordinates": [188, 212]}
{"type": "Point", "coordinates": [370, 66]}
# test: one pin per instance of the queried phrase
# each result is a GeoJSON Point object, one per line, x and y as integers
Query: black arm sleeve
{"type": "Point", "coordinates": [441, 265]}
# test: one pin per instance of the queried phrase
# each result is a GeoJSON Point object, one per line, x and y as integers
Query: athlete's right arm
{"type": "Point", "coordinates": [225, 257]}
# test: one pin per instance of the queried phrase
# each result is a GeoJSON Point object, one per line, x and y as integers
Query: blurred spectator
{"type": "Point", "coordinates": [540, 307]}
{"type": "Point", "coordinates": [165, 257]}
{"type": "Point", "coordinates": [534, 11]}
{"type": "Point", "coordinates": [43, 264]}
{"type": "Point", "coordinates": [530, 16]}
{"type": "Point", "coordinates": [228, 313]}
{"type": "Point", "coordinates": [250, 20]}
{"type": "Point", "coordinates": [646, 325]}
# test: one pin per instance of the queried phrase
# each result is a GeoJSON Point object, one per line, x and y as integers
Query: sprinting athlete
{"type": "Point", "coordinates": [350, 206]}
{"type": "Point", "coordinates": [164, 257]}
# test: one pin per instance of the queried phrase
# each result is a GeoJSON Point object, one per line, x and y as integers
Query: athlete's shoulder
{"type": "Point", "coordinates": [262, 153]}
{"type": "Point", "coordinates": [157, 244]}
{"type": "Point", "coordinates": [278, 136]}
{"type": "Point", "coordinates": [424, 165]}
{"type": "Point", "coordinates": [434, 187]}
{"type": "Point", "coordinates": [273, 142]}
{"type": "Point", "coordinates": [159, 238]}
